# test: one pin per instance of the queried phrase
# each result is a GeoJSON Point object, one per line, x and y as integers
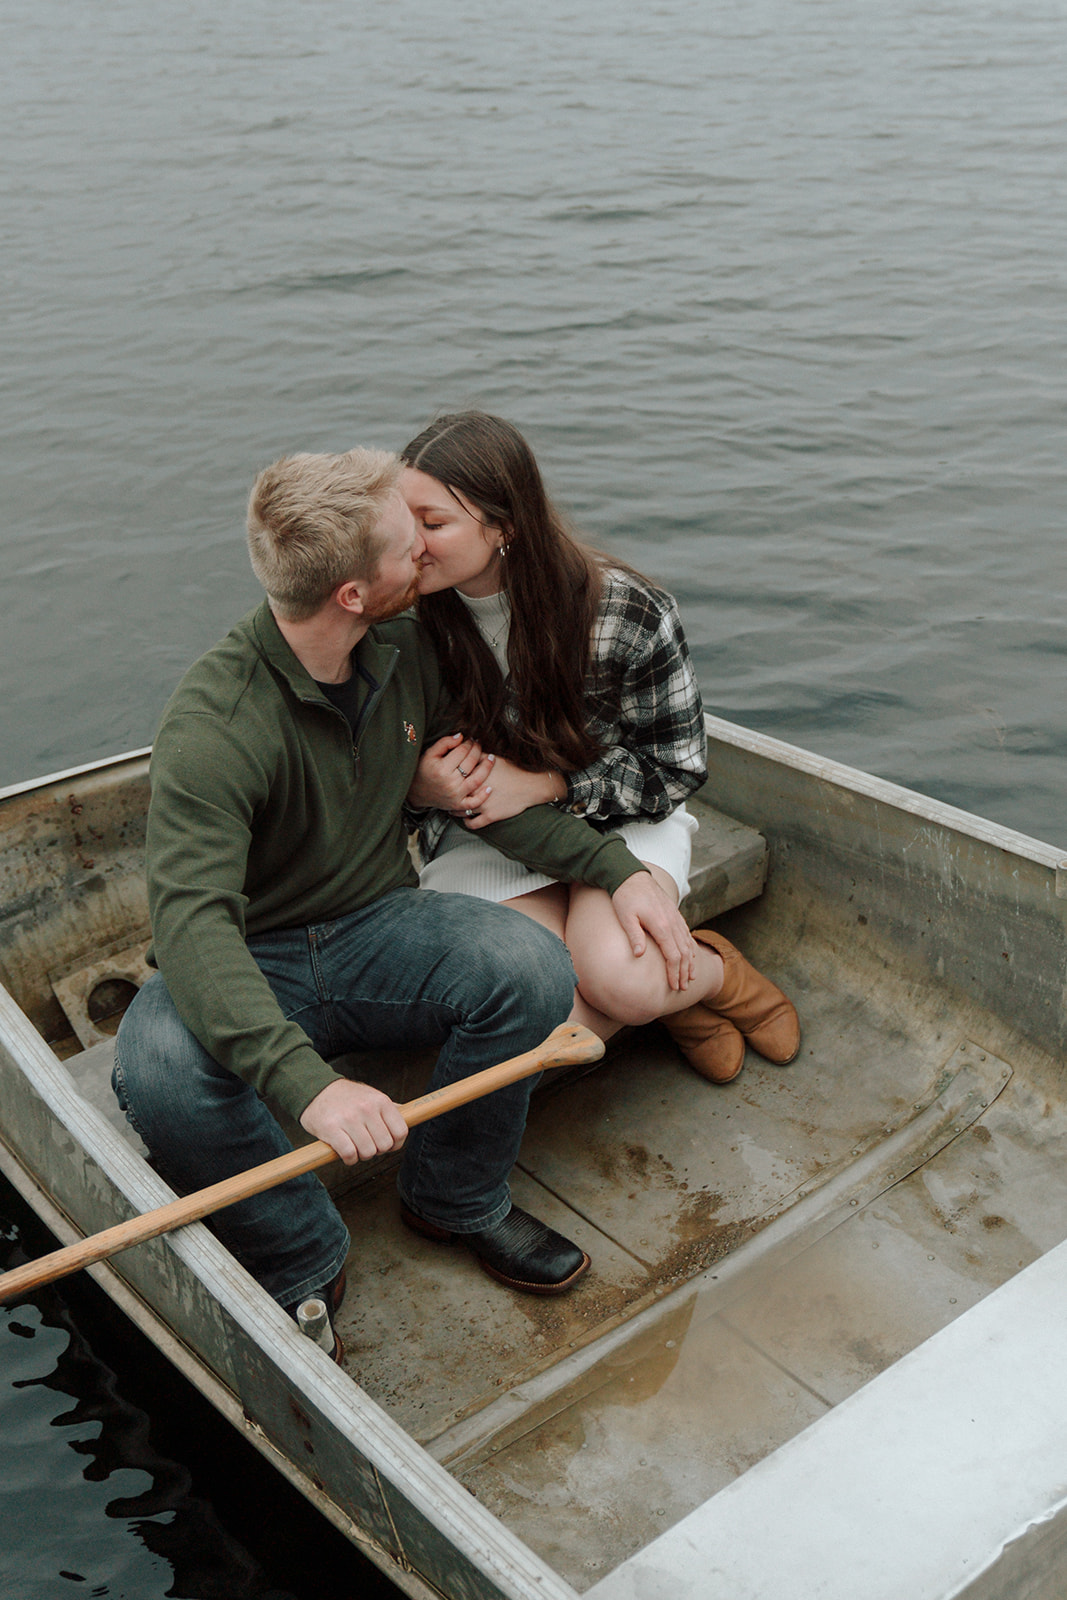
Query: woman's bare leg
{"type": "Point", "coordinates": [547, 906]}
{"type": "Point", "coordinates": [614, 982]}
{"type": "Point", "coordinates": [615, 987]}
{"type": "Point", "coordinates": [550, 907]}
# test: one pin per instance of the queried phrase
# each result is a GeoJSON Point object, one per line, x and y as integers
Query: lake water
{"type": "Point", "coordinates": [776, 290]}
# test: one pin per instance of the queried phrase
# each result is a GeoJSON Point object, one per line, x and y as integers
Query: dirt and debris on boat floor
{"type": "Point", "coordinates": [916, 1134]}
{"type": "Point", "coordinates": [655, 1172]}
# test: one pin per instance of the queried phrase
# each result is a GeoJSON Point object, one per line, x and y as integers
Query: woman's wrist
{"type": "Point", "coordinates": [558, 785]}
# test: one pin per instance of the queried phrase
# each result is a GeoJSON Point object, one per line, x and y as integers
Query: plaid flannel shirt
{"type": "Point", "coordinates": [644, 708]}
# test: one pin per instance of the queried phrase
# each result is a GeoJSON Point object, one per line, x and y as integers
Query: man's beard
{"type": "Point", "coordinates": [392, 608]}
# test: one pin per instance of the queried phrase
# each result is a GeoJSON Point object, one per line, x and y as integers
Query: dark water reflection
{"type": "Point", "coordinates": [120, 1481]}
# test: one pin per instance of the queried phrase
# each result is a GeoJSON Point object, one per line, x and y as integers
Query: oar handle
{"type": "Point", "coordinates": [567, 1046]}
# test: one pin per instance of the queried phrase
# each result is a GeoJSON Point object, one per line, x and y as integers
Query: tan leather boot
{"type": "Point", "coordinates": [710, 1043]}
{"type": "Point", "coordinates": [753, 1003]}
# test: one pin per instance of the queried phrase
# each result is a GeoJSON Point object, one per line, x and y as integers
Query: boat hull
{"type": "Point", "coordinates": [894, 916]}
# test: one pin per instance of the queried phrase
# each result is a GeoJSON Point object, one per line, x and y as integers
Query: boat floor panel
{"type": "Point", "coordinates": [678, 1171]}
{"type": "Point", "coordinates": [653, 1171]}
{"type": "Point", "coordinates": [431, 1337]}
{"type": "Point", "coordinates": [721, 1388]}
{"type": "Point", "coordinates": [599, 1481]}
{"type": "Point", "coordinates": [917, 1257]}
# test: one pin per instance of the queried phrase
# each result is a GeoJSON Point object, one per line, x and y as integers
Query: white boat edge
{"type": "Point", "coordinates": [944, 1477]}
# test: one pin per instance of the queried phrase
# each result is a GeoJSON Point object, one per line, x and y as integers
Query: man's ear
{"type": "Point", "coordinates": [350, 596]}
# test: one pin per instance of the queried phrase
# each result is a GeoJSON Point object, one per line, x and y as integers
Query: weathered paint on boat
{"type": "Point", "coordinates": [789, 1448]}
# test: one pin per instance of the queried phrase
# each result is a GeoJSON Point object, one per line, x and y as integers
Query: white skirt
{"type": "Point", "coordinates": [466, 863]}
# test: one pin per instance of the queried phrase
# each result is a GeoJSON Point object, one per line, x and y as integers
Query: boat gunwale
{"type": "Point", "coordinates": [910, 801]}
{"type": "Point", "coordinates": [15, 791]}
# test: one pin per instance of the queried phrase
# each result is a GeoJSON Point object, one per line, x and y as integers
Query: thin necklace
{"type": "Point", "coordinates": [480, 607]}
{"type": "Point", "coordinates": [495, 638]}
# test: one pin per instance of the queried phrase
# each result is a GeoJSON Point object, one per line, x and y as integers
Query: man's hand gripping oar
{"type": "Point", "coordinates": [568, 1045]}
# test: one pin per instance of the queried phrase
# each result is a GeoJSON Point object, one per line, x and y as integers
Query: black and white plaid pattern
{"type": "Point", "coordinates": [644, 708]}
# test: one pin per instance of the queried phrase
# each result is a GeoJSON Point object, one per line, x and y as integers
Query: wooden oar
{"type": "Point", "coordinates": [566, 1046]}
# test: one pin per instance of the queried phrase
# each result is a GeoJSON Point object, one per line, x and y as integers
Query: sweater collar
{"type": "Point", "coordinates": [375, 655]}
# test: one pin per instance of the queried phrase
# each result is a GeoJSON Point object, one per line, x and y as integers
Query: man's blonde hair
{"type": "Point", "coordinates": [311, 525]}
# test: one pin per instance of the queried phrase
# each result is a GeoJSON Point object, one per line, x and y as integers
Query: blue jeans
{"type": "Point", "coordinates": [413, 969]}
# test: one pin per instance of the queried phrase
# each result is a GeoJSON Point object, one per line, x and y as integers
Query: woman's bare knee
{"type": "Point", "coordinates": [633, 990]}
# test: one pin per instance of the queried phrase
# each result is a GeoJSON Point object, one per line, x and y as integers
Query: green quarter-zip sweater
{"type": "Point", "coordinates": [266, 812]}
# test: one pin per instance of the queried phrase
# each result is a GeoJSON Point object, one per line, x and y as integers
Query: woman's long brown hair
{"type": "Point", "coordinates": [552, 582]}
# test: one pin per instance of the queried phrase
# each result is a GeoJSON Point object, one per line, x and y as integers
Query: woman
{"type": "Point", "coordinates": [573, 687]}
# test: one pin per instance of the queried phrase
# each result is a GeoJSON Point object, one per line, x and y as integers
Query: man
{"type": "Point", "coordinates": [286, 924]}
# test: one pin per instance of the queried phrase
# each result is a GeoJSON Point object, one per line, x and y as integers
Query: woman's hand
{"type": "Point", "coordinates": [451, 775]}
{"type": "Point", "coordinates": [511, 791]}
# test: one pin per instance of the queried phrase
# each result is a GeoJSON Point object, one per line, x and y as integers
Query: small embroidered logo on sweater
{"type": "Point", "coordinates": [413, 737]}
